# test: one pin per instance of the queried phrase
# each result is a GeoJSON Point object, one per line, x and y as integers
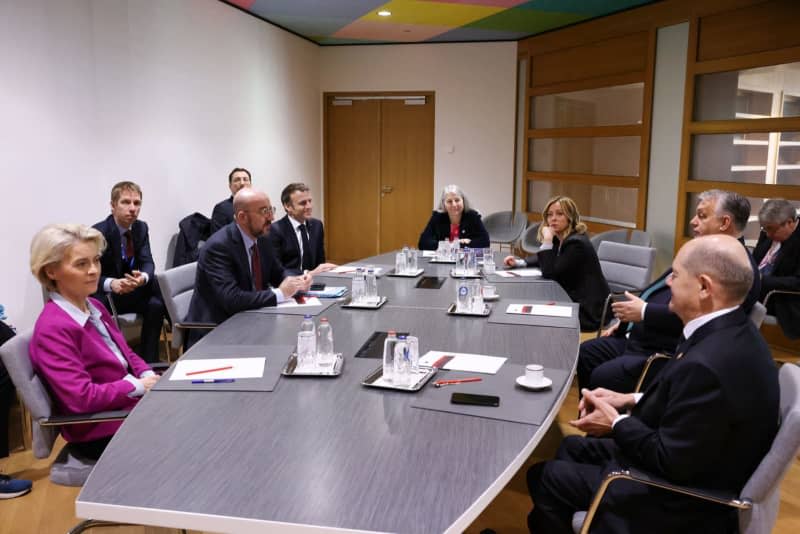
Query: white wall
{"type": "Point", "coordinates": [665, 140]}
{"type": "Point", "coordinates": [170, 94]}
{"type": "Point", "coordinates": [475, 106]}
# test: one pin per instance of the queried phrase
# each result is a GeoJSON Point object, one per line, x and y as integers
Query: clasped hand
{"type": "Point", "coordinates": [132, 280]}
{"type": "Point", "coordinates": [292, 285]}
{"type": "Point", "coordinates": [598, 409]}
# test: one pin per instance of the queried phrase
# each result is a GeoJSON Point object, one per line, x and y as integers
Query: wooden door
{"type": "Point", "coordinates": [406, 171]}
{"type": "Point", "coordinates": [352, 170]}
{"type": "Point", "coordinates": [378, 172]}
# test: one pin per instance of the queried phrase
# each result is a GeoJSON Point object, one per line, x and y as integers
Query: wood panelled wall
{"type": "Point", "coordinates": [619, 49]}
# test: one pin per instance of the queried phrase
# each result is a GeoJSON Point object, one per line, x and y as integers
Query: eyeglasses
{"type": "Point", "coordinates": [270, 210]}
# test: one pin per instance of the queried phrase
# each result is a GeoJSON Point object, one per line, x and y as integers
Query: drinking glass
{"type": "Point", "coordinates": [306, 349]}
{"type": "Point", "coordinates": [400, 263]}
{"type": "Point", "coordinates": [412, 260]}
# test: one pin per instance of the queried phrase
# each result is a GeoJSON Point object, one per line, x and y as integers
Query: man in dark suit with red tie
{"type": "Point", "coordinates": [128, 270]}
{"type": "Point", "coordinates": [705, 422]}
{"type": "Point", "coordinates": [299, 239]}
{"type": "Point", "coordinates": [237, 269]}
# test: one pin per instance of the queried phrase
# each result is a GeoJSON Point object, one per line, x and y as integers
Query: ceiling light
{"type": "Point", "coordinates": [384, 13]}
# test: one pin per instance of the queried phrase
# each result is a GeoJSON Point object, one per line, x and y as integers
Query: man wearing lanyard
{"type": "Point", "coordinates": [778, 257]}
{"type": "Point", "coordinates": [128, 270]}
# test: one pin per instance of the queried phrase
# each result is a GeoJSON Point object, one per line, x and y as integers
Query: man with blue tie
{"type": "Point", "coordinates": [299, 239]}
{"type": "Point", "coordinates": [646, 324]}
{"type": "Point", "coordinates": [128, 270]}
{"type": "Point", "coordinates": [237, 269]}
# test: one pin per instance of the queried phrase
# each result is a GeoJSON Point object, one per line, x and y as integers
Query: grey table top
{"type": "Point", "coordinates": [326, 454]}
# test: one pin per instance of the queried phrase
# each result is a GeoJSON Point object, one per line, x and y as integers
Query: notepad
{"type": "Point", "coordinates": [549, 310]}
{"type": "Point", "coordinates": [218, 368]}
{"type": "Point", "coordinates": [347, 269]}
{"type": "Point", "coordinates": [474, 363]}
{"type": "Point", "coordinates": [428, 253]}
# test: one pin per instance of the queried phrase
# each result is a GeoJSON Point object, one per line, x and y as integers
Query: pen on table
{"type": "Point", "coordinates": [440, 383]}
{"type": "Point", "coordinates": [190, 373]}
{"type": "Point", "coordinates": [214, 381]}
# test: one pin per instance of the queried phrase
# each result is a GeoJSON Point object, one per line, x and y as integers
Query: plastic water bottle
{"type": "Point", "coordinates": [306, 343]}
{"type": "Point", "coordinates": [388, 355]}
{"type": "Point", "coordinates": [325, 354]}
{"type": "Point", "coordinates": [463, 300]}
{"type": "Point", "coordinates": [402, 363]}
{"type": "Point", "coordinates": [371, 287]}
{"type": "Point", "coordinates": [358, 288]}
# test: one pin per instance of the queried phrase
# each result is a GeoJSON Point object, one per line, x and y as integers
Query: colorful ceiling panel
{"type": "Point", "coordinates": [336, 22]}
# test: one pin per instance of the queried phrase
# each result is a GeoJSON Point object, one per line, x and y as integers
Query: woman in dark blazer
{"type": "Point", "coordinates": [568, 257]}
{"type": "Point", "coordinates": [454, 220]}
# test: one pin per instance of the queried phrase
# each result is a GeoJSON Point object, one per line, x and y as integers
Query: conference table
{"type": "Point", "coordinates": [328, 454]}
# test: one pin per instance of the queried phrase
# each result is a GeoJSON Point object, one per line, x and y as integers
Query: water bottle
{"type": "Point", "coordinates": [306, 343]}
{"type": "Point", "coordinates": [325, 354]}
{"type": "Point", "coordinates": [402, 363]}
{"type": "Point", "coordinates": [400, 263]}
{"type": "Point", "coordinates": [388, 355]}
{"type": "Point", "coordinates": [463, 300]}
{"type": "Point", "coordinates": [371, 287]}
{"type": "Point", "coordinates": [358, 289]}
{"type": "Point", "coordinates": [489, 266]}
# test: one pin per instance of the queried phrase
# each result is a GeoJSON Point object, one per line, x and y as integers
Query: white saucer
{"type": "Point", "coordinates": [492, 298]}
{"type": "Point", "coordinates": [544, 384]}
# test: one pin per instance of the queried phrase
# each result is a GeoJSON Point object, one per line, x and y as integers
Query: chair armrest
{"type": "Point", "coordinates": [642, 477]}
{"type": "Point", "coordinates": [190, 326]}
{"type": "Point", "coordinates": [780, 292]}
{"type": "Point", "coordinates": [607, 306]}
{"type": "Point", "coordinates": [79, 419]}
{"type": "Point", "coordinates": [647, 364]}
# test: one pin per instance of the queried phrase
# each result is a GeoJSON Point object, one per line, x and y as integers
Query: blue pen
{"type": "Point", "coordinates": [214, 381]}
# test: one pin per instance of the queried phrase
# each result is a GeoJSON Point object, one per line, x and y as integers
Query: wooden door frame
{"type": "Point", "coordinates": [377, 94]}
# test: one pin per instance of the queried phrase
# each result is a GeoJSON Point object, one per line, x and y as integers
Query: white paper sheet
{"type": "Point", "coordinates": [550, 310]}
{"type": "Point", "coordinates": [532, 271]}
{"type": "Point", "coordinates": [227, 368]}
{"type": "Point", "coordinates": [347, 269]}
{"type": "Point", "coordinates": [462, 361]}
{"type": "Point", "coordinates": [291, 303]}
{"type": "Point", "coordinates": [504, 274]}
{"type": "Point", "coordinates": [428, 253]}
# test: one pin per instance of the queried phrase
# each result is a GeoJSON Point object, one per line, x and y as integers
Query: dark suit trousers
{"type": "Point", "coordinates": [610, 362]}
{"type": "Point", "coordinates": [146, 301]}
{"type": "Point", "coordinates": [6, 398]}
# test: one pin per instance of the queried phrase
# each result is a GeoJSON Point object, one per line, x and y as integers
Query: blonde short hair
{"type": "Point", "coordinates": [51, 243]}
{"type": "Point", "coordinates": [570, 210]}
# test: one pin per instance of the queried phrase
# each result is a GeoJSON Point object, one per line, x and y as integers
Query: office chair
{"type": "Point", "coordinates": [177, 287]}
{"type": "Point", "coordinates": [640, 238]}
{"type": "Point", "coordinates": [69, 468]}
{"type": "Point", "coordinates": [615, 236]}
{"type": "Point", "coordinates": [505, 227]}
{"type": "Point", "coordinates": [625, 268]}
{"type": "Point", "coordinates": [757, 503]}
{"type": "Point", "coordinates": [529, 243]}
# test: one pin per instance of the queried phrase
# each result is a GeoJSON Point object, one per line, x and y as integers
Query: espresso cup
{"type": "Point", "coordinates": [534, 373]}
{"type": "Point", "coordinates": [489, 291]}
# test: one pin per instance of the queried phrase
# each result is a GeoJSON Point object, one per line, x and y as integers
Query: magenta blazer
{"type": "Point", "coordinates": [80, 371]}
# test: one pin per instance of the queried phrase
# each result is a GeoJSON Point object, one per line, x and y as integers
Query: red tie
{"type": "Point", "coordinates": [255, 265]}
{"type": "Point", "coordinates": [128, 245]}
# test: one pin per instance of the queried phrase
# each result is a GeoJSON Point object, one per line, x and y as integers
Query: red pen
{"type": "Point", "coordinates": [300, 299]}
{"type": "Point", "coordinates": [209, 370]}
{"type": "Point", "coordinates": [440, 383]}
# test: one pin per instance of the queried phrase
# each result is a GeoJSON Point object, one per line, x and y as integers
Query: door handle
{"type": "Point", "coordinates": [386, 189]}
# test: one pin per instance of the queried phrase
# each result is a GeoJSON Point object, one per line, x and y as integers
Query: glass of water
{"type": "Point", "coordinates": [443, 250]}
{"type": "Point", "coordinates": [412, 260]}
{"type": "Point", "coordinates": [462, 295]}
{"type": "Point", "coordinates": [306, 349]}
{"type": "Point", "coordinates": [400, 265]}
{"type": "Point", "coordinates": [476, 296]}
{"type": "Point", "coordinates": [461, 261]}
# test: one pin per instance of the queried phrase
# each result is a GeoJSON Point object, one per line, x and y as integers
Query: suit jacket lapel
{"type": "Point", "coordinates": [239, 253]}
{"type": "Point", "coordinates": [115, 244]}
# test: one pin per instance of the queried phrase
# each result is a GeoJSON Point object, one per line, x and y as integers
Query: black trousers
{"type": "Point", "coordinates": [6, 392]}
{"type": "Point", "coordinates": [567, 484]}
{"type": "Point", "coordinates": [90, 449]}
{"type": "Point", "coordinates": [145, 300]}
{"type": "Point", "coordinates": [611, 363]}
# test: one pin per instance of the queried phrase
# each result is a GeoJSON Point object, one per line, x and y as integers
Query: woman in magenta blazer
{"type": "Point", "coordinates": [76, 348]}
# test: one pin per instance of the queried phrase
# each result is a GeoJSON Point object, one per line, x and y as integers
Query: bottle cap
{"type": "Point", "coordinates": [323, 320]}
{"type": "Point", "coordinates": [392, 332]}
{"type": "Point", "coordinates": [306, 316]}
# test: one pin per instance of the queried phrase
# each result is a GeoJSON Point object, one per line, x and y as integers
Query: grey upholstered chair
{"type": "Point", "coordinates": [177, 287]}
{"type": "Point", "coordinates": [505, 227]}
{"type": "Point", "coordinates": [640, 238]}
{"type": "Point", "coordinates": [528, 241]}
{"type": "Point", "coordinates": [625, 268]}
{"type": "Point", "coordinates": [772, 319]}
{"type": "Point", "coordinates": [68, 469]}
{"type": "Point", "coordinates": [615, 236]}
{"type": "Point", "coordinates": [757, 503]}
{"type": "Point", "coordinates": [173, 242]}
